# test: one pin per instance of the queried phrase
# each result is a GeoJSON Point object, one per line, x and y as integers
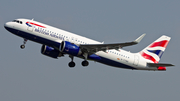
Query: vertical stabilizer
{"type": "Point", "coordinates": [155, 50]}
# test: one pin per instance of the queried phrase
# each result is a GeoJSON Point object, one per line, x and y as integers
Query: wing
{"type": "Point", "coordinates": [92, 48]}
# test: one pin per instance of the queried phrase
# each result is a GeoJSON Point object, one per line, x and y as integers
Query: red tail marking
{"type": "Point", "coordinates": [146, 56]}
{"type": "Point", "coordinates": [161, 43]}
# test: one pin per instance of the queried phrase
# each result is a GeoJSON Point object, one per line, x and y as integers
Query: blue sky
{"type": "Point", "coordinates": [29, 75]}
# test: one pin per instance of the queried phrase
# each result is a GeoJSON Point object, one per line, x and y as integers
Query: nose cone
{"type": "Point", "coordinates": [7, 25]}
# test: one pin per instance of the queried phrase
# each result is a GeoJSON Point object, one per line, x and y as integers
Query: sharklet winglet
{"type": "Point", "coordinates": [140, 38]}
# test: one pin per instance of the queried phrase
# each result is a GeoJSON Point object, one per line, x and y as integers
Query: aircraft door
{"type": "Point", "coordinates": [136, 60]}
{"type": "Point", "coordinates": [30, 28]}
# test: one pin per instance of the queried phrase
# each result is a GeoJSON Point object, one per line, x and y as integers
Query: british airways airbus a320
{"type": "Point", "coordinates": [56, 43]}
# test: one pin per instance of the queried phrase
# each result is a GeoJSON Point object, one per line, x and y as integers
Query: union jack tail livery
{"type": "Point", "coordinates": [155, 50]}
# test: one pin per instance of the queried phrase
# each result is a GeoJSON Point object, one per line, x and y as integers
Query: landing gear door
{"type": "Point", "coordinates": [136, 60]}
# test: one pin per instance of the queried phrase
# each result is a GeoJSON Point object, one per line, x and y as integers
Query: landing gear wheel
{"type": "Point", "coordinates": [22, 46]}
{"type": "Point", "coordinates": [85, 63]}
{"type": "Point", "coordinates": [71, 64]}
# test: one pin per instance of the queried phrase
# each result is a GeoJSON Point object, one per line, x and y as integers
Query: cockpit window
{"type": "Point", "coordinates": [17, 21]}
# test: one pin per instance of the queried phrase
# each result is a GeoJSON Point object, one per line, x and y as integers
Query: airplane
{"type": "Point", "coordinates": [57, 43]}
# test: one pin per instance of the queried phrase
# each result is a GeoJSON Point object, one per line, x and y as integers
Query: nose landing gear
{"type": "Point", "coordinates": [23, 45]}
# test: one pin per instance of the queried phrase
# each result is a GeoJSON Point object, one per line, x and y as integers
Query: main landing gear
{"type": "Point", "coordinates": [23, 45]}
{"type": "Point", "coordinates": [72, 63]}
{"type": "Point", "coordinates": [84, 63]}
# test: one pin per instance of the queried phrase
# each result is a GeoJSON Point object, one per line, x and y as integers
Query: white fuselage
{"type": "Point", "coordinates": [48, 35]}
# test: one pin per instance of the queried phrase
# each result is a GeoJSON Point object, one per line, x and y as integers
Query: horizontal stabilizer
{"type": "Point", "coordinates": [159, 64]}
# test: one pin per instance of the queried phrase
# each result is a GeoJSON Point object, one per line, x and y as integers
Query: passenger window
{"type": "Point", "coordinates": [20, 22]}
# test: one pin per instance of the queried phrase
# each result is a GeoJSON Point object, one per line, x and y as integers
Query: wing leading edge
{"type": "Point", "coordinates": [92, 48]}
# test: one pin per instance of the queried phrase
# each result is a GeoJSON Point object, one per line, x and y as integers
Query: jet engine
{"type": "Point", "coordinates": [70, 48]}
{"type": "Point", "coordinates": [51, 52]}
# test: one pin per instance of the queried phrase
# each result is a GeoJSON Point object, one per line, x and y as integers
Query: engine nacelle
{"type": "Point", "coordinates": [70, 48]}
{"type": "Point", "coordinates": [49, 51]}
